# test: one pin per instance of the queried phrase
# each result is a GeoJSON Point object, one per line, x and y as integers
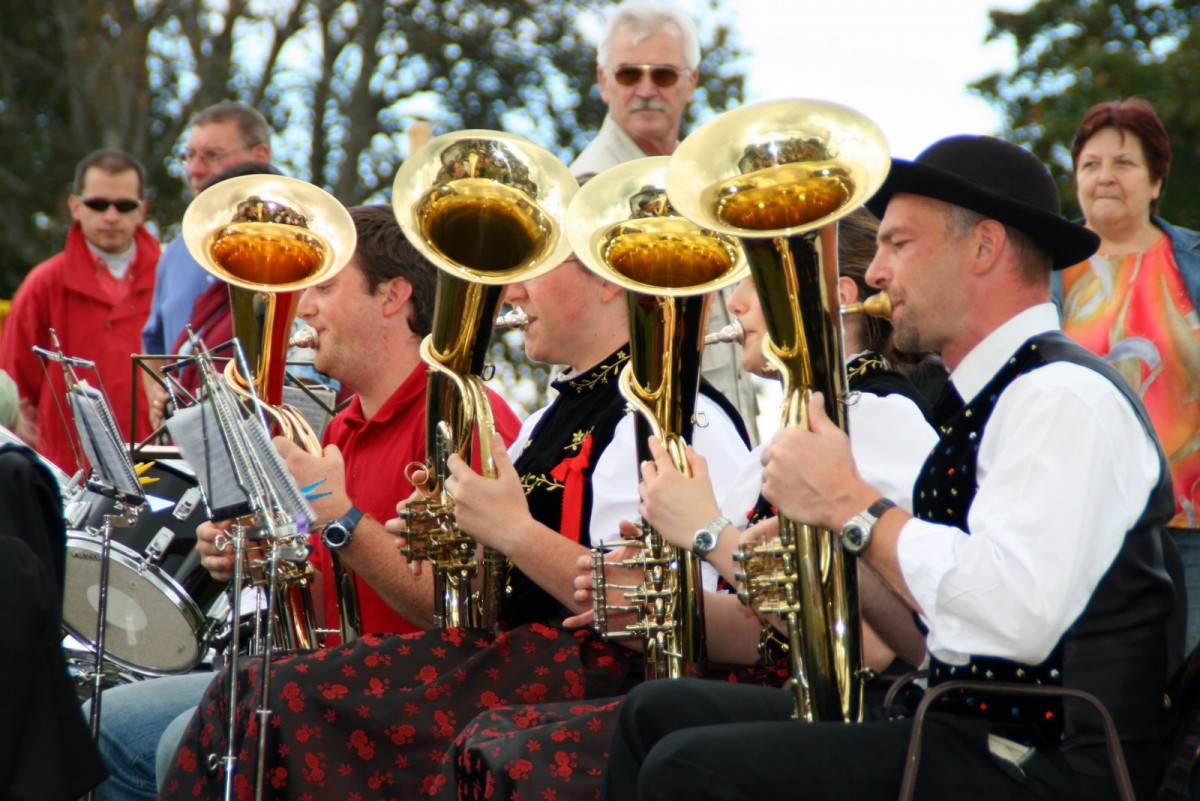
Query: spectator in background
{"type": "Point", "coordinates": [222, 136]}
{"type": "Point", "coordinates": [95, 294]}
{"type": "Point", "coordinates": [1135, 302]}
{"type": "Point", "coordinates": [647, 67]}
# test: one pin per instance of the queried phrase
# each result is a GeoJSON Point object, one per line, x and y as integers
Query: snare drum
{"type": "Point", "coordinates": [157, 590]}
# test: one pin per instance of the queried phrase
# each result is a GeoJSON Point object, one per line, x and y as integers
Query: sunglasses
{"type": "Point", "coordinates": [662, 75]}
{"type": "Point", "coordinates": [101, 204]}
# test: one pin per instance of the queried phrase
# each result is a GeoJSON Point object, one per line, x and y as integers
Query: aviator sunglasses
{"type": "Point", "coordinates": [101, 204]}
{"type": "Point", "coordinates": [662, 75]}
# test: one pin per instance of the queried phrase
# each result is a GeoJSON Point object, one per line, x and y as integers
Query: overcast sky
{"type": "Point", "coordinates": [905, 64]}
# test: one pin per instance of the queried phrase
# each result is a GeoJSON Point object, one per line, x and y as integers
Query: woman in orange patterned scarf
{"type": "Point", "coordinates": [1135, 302]}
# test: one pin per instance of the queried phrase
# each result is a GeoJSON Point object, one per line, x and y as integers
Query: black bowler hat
{"type": "Point", "coordinates": [995, 178]}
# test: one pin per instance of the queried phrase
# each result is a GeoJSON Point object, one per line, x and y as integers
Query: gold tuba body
{"type": "Point", "coordinates": [778, 175]}
{"type": "Point", "coordinates": [484, 208]}
{"type": "Point", "coordinates": [269, 237]}
{"type": "Point", "coordinates": [623, 229]}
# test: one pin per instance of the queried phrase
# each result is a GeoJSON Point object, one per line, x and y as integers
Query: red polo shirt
{"type": "Point", "coordinates": [377, 453]}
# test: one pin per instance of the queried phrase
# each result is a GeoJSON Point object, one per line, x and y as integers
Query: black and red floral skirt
{"type": "Point", "coordinates": [378, 719]}
{"type": "Point", "coordinates": [552, 751]}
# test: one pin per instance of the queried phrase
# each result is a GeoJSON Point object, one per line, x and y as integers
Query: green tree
{"type": "Point", "coordinates": [1072, 54]}
{"type": "Point", "coordinates": [340, 80]}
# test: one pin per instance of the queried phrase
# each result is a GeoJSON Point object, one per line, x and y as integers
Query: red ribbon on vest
{"type": "Point", "coordinates": [569, 473]}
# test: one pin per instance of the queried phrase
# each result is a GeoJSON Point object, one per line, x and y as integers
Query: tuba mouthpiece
{"type": "Point", "coordinates": [734, 332]}
{"type": "Point", "coordinates": [878, 305]}
{"type": "Point", "coordinates": [306, 337]}
{"type": "Point", "coordinates": [514, 318]}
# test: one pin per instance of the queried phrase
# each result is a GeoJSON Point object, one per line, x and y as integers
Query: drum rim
{"type": "Point", "coordinates": [165, 583]}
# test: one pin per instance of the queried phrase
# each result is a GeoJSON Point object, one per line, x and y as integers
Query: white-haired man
{"type": "Point", "coordinates": [647, 66]}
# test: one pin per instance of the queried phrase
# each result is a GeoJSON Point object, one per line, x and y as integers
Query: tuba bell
{"type": "Point", "coordinates": [269, 237]}
{"type": "Point", "coordinates": [778, 175]}
{"type": "Point", "coordinates": [483, 207]}
{"type": "Point", "coordinates": [622, 228]}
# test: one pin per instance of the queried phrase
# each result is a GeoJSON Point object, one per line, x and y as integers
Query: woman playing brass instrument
{"type": "Point", "coordinates": [563, 746]}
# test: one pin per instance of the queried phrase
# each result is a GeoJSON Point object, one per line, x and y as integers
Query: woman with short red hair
{"type": "Point", "coordinates": [1135, 302]}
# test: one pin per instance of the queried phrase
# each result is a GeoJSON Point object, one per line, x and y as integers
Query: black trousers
{"type": "Point", "coordinates": [698, 739]}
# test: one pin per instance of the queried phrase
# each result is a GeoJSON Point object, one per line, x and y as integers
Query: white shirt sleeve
{"type": "Point", "coordinates": [1064, 469]}
{"type": "Point", "coordinates": [616, 477]}
{"type": "Point", "coordinates": [615, 480]}
{"type": "Point", "coordinates": [890, 439]}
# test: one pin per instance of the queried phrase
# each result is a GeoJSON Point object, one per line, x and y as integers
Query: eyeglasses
{"type": "Point", "coordinates": [210, 157]}
{"type": "Point", "coordinates": [662, 75]}
{"type": "Point", "coordinates": [101, 204]}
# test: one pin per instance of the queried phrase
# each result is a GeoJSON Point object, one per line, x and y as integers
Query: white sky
{"type": "Point", "coordinates": [903, 63]}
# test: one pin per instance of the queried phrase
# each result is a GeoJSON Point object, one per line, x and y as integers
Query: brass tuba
{"type": "Point", "coordinates": [484, 207]}
{"type": "Point", "coordinates": [624, 230]}
{"type": "Point", "coordinates": [777, 175]}
{"type": "Point", "coordinates": [270, 237]}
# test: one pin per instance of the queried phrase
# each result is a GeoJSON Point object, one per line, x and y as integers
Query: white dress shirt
{"type": "Point", "coordinates": [890, 440]}
{"type": "Point", "coordinates": [1064, 471]}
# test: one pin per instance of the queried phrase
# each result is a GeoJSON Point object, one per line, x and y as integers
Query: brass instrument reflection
{"type": "Point", "coordinates": [623, 228]}
{"type": "Point", "coordinates": [483, 207]}
{"type": "Point", "coordinates": [778, 175]}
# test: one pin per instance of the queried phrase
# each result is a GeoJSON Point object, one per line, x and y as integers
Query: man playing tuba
{"type": "Point", "coordinates": [370, 319]}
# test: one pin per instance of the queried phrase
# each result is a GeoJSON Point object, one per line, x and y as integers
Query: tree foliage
{"type": "Point", "coordinates": [341, 81]}
{"type": "Point", "coordinates": [1072, 54]}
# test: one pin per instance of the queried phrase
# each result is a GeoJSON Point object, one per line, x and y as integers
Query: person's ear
{"type": "Point", "coordinates": [988, 240]}
{"type": "Point", "coordinates": [609, 290]}
{"type": "Point", "coordinates": [693, 79]}
{"type": "Point", "coordinates": [602, 83]}
{"type": "Point", "coordinates": [397, 293]}
{"type": "Point", "coordinates": [847, 290]}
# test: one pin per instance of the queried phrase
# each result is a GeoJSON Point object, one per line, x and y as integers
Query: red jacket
{"type": "Point", "coordinates": [64, 293]}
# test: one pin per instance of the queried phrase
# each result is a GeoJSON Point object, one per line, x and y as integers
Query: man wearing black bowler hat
{"type": "Point", "coordinates": [1036, 554]}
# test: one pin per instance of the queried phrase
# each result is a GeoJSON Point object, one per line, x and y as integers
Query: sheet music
{"type": "Point", "coordinates": [277, 476]}
{"type": "Point", "coordinates": [198, 437]}
{"type": "Point", "coordinates": [311, 409]}
{"type": "Point", "coordinates": [103, 443]}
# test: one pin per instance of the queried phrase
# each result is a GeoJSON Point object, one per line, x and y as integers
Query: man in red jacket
{"type": "Point", "coordinates": [95, 294]}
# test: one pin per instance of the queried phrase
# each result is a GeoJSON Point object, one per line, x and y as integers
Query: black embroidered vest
{"type": "Point", "coordinates": [583, 417]}
{"type": "Point", "coordinates": [1117, 649]}
{"type": "Point", "coordinates": [563, 448]}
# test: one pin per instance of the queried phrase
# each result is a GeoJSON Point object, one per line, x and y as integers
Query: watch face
{"type": "Point", "coordinates": [335, 535]}
{"type": "Point", "coordinates": [703, 542]}
{"type": "Point", "coordinates": [854, 537]}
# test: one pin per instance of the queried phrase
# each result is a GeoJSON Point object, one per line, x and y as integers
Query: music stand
{"type": "Point", "coordinates": [112, 475]}
{"type": "Point", "coordinates": [241, 474]}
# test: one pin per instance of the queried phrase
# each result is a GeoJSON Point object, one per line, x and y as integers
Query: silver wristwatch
{"type": "Point", "coordinates": [337, 534]}
{"type": "Point", "coordinates": [704, 540]}
{"type": "Point", "coordinates": [856, 534]}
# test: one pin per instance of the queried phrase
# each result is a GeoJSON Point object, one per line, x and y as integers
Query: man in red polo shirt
{"type": "Point", "coordinates": [370, 319]}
